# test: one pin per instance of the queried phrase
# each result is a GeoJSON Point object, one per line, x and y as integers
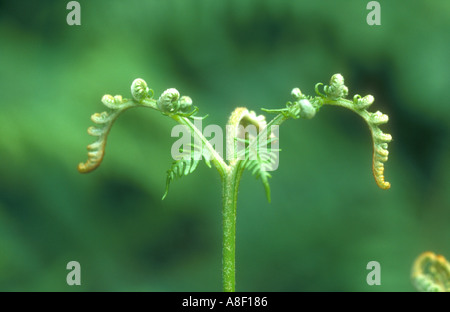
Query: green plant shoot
{"type": "Point", "coordinates": [250, 157]}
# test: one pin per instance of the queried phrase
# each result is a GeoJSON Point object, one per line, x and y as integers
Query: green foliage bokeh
{"type": "Point", "coordinates": [327, 218]}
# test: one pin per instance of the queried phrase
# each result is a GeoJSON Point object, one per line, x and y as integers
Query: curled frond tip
{"type": "Point", "coordinates": [431, 273]}
{"type": "Point", "coordinates": [103, 123]}
{"type": "Point", "coordinates": [335, 94]}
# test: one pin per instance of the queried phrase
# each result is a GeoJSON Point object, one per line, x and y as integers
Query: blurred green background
{"type": "Point", "coordinates": [327, 218]}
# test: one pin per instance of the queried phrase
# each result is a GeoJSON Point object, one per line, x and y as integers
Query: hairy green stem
{"type": "Point", "coordinates": [230, 186]}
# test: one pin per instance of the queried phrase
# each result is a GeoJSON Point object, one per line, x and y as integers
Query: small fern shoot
{"type": "Point", "coordinates": [251, 144]}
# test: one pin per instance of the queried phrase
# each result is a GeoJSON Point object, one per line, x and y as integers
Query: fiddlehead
{"type": "Point", "coordinates": [431, 273]}
{"type": "Point", "coordinates": [170, 103]}
{"type": "Point", "coordinates": [336, 90]}
{"type": "Point", "coordinates": [252, 150]}
{"type": "Point", "coordinates": [306, 107]}
{"type": "Point", "coordinates": [335, 94]}
{"type": "Point", "coordinates": [104, 122]}
{"type": "Point", "coordinates": [140, 91]}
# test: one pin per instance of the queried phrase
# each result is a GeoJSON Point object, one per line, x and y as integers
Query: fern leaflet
{"type": "Point", "coordinates": [260, 160]}
{"type": "Point", "coordinates": [186, 164]}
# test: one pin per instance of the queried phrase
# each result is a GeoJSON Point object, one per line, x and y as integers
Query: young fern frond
{"type": "Point", "coordinates": [104, 122]}
{"type": "Point", "coordinates": [243, 125]}
{"type": "Point", "coordinates": [186, 164]}
{"type": "Point", "coordinates": [116, 105]}
{"type": "Point", "coordinates": [431, 273]}
{"type": "Point", "coordinates": [335, 94]}
{"type": "Point", "coordinates": [169, 103]}
{"type": "Point", "coordinates": [249, 142]}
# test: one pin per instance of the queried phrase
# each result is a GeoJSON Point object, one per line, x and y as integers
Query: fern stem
{"type": "Point", "coordinates": [230, 185]}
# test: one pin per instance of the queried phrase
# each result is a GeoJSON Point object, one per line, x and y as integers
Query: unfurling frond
{"type": "Point", "coordinates": [104, 122]}
{"type": "Point", "coordinates": [169, 103]}
{"type": "Point", "coordinates": [240, 119]}
{"type": "Point", "coordinates": [335, 94]}
{"type": "Point", "coordinates": [380, 139]}
{"type": "Point", "coordinates": [250, 143]}
{"type": "Point", "coordinates": [431, 273]}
